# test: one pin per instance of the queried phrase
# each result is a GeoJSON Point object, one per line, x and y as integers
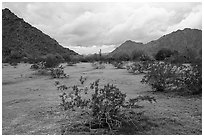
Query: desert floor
{"type": "Point", "coordinates": [30, 103]}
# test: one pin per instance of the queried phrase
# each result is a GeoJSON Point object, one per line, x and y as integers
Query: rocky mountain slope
{"type": "Point", "coordinates": [19, 38]}
{"type": "Point", "coordinates": [180, 40]}
{"type": "Point", "coordinates": [127, 47]}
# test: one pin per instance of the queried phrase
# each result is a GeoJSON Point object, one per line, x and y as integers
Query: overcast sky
{"type": "Point", "coordinates": [88, 27]}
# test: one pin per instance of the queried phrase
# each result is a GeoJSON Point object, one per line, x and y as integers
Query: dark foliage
{"type": "Point", "coordinates": [163, 54]}
{"type": "Point", "coordinates": [52, 61]}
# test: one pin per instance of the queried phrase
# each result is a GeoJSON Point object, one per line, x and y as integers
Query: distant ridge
{"type": "Point", "coordinates": [179, 40]}
{"type": "Point", "coordinates": [20, 37]}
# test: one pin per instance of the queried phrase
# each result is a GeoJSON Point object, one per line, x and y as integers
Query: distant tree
{"type": "Point", "coordinates": [66, 57]}
{"type": "Point", "coordinates": [14, 57]}
{"type": "Point", "coordinates": [145, 57]}
{"type": "Point", "coordinates": [163, 54]}
{"type": "Point", "coordinates": [52, 60]}
{"type": "Point", "coordinates": [123, 57]}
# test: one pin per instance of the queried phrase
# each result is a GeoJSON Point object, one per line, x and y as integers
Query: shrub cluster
{"type": "Point", "coordinates": [58, 72]}
{"type": "Point", "coordinates": [39, 65]}
{"type": "Point", "coordinates": [118, 64]}
{"type": "Point", "coordinates": [107, 105]}
{"type": "Point", "coordinates": [163, 76]}
{"type": "Point", "coordinates": [52, 61]}
{"type": "Point", "coordinates": [98, 65]}
{"type": "Point", "coordinates": [139, 56]}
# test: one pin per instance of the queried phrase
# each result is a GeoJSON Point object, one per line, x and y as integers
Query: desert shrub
{"type": "Point", "coordinates": [123, 57]}
{"type": "Point", "coordinates": [110, 59]}
{"type": "Point", "coordinates": [190, 80]}
{"type": "Point", "coordinates": [98, 65]}
{"type": "Point", "coordinates": [118, 64]}
{"type": "Point", "coordinates": [188, 56]}
{"type": "Point", "coordinates": [58, 72]}
{"type": "Point", "coordinates": [177, 59]}
{"type": "Point", "coordinates": [76, 58]}
{"type": "Point", "coordinates": [34, 66]}
{"type": "Point", "coordinates": [158, 76]}
{"type": "Point", "coordinates": [52, 61]}
{"type": "Point", "coordinates": [82, 79]}
{"type": "Point", "coordinates": [107, 105]}
{"type": "Point", "coordinates": [66, 57]}
{"type": "Point", "coordinates": [35, 59]}
{"type": "Point", "coordinates": [163, 76]}
{"type": "Point", "coordinates": [139, 56]}
{"type": "Point", "coordinates": [42, 72]}
{"type": "Point", "coordinates": [139, 67]}
{"type": "Point", "coordinates": [13, 64]}
{"type": "Point", "coordinates": [145, 57]}
{"type": "Point", "coordinates": [15, 56]}
{"type": "Point", "coordinates": [163, 54]}
{"type": "Point", "coordinates": [39, 65]}
{"type": "Point", "coordinates": [136, 68]}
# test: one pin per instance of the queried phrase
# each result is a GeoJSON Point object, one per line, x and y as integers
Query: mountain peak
{"type": "Point", "coordinates": [131, 41]}
{"type": "Point", "coordinates": [7, 14]}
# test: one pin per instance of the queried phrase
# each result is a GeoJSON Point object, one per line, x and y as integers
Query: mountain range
{"type": "Point", "coordinates": [19, 38]}
{"type": "Point", "coordinates": [180, 40]}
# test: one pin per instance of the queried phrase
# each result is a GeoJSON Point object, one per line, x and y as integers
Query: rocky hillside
{"type": "Point", "coordinates": [127, 47]}
{"type": "Point", "coordinates": [21, 39]}
{"type": "Point", "coordinates": [180, 40]}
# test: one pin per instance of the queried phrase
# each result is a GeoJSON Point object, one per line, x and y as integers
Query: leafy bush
{"type": "Point", "coordinates": [139, 56]}
{"type": "Point", "coordinates": [107, 106]}
{"type": "Point", "coordinates": [66, 57]}
{"type": "Point", "coordinates": [98, 65]}
{"type": "Point", "coordinates": [58, 72]}
{"type": "Point", "coordinates": [39, 65]}
{"type": "Point", "coordinates": [54, 72]}
{"type": "Point", "coordinates": [163, 54]}
{"type": "Point", "coordinates": [118, 64]}
{"type": "Point", "coordinates": [52, 61]}
{"type": "Point", "coordinates": [135, 68]}
{"type": "Point", "coordinates": [123, 57]}
{"type": "Point", "coordinates": [165, 76]}
{"type": "Point", "coordinates": [139, 67]}
{"type": "Point", "coordinates": [15, 56]}
{"type": "Point", "coordinates": [158, 75]}
{"type": "Point", "coordinates": [190, 80]}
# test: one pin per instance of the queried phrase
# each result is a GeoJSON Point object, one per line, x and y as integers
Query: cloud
{"type": "Point", "coordinates": [88, 24]}
{"type": "Point", "coordinates": [191, 20]}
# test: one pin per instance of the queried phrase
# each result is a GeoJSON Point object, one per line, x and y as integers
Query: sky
{"type": "Point", "coordinates": [87, 27]}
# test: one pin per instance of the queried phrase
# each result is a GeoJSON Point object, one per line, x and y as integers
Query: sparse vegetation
{"type": "Point", "coordinates": [107, 106]}
{"type": "Point", "coordinates": [118, 64]}
{"type": "Point", "coordinates": [58, 73]}
{"type": "Point", "coordinates": [98, 65]}
{"type": "Point", "coordinates": [171, 67]}
{"type": "Point", "coordinates": [164, 76]}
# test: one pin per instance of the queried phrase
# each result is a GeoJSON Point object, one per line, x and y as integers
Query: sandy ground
{"type": "Point", "coordinates": [30, 102]}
